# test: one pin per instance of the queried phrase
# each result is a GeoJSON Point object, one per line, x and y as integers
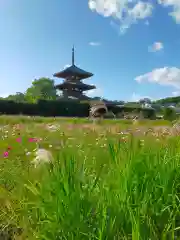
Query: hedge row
{"type": "Point", "coordinates": [45, 108]}
{"type": "Point", "coordinates": [61, 108]}
{"type": "Point", "coordinates": [144, 112]}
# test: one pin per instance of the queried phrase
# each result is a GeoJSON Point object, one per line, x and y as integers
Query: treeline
{"type": "Point", "coordinates": [175, 100]}
{"type": "Point", "coordinates": [41, 99]}
{"type": "Point", "coordinates": [43, 89]}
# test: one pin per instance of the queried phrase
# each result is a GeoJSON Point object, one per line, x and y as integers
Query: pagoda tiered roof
{"type": "Point", "coordinates": [73, 71]}
{"type": "Point", "coordinates": [79, 85]}
{"type": "Point", "coordinates": [72, 86]}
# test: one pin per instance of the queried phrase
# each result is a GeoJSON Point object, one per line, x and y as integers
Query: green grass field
{"type": "Point", "coordinates": [112, 180]}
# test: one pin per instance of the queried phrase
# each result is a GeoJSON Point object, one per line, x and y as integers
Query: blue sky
{"type": "Point", "coordinates": [132, 47]}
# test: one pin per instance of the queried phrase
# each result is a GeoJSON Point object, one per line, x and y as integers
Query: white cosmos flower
{"type": "Point", "coordinates": [42, 156]}
{"type": "Point", "coordinates": [53, 128]}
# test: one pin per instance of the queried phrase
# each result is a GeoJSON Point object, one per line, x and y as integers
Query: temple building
{"type": "Point", "coordinates": [72, 86]}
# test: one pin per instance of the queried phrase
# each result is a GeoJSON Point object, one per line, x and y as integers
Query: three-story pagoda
{"type": "Point", "coordinates": [72, 86]}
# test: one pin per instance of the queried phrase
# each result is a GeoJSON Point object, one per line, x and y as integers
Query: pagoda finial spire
{"type": "Point", "coordinates": [73, 55]}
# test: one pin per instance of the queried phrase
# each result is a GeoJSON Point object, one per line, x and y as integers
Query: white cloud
{"type": "Point", "coordinates": [176, 93]}
{"type": "Point", "coordinates": [157, 46]}
{"type": "Point", "coordinates": [98, 92]}
{"type": "Point", "coordinates": [128, 12]}
{"type": "Point", "coordinates": [168, 76]}
{"type": "Point", "coordinates": [95, 44]}
{"type": "Point", "coordinates": [4, 95]}
{"type": "Point", "coordinates": [175, 4]}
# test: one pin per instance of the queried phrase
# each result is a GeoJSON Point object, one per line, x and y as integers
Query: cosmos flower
{"type": "Point", "coordinates": [6, 154]}
{"type": "Point", "coordinates": [42, 156]}
{"type": "Point", "coordinates": [33, 139]}
{"type": "Point", "coordinates": [18, 139]}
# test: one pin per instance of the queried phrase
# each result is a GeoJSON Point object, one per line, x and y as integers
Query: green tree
{"type": "Point", "coordinates": [169, 114]}
{"type": "Point", "coordinates": [169, 100]}
{"type": "Point", "coordinates": [42, 88]}
{"type": "Point", "coordinates": [18, 97]}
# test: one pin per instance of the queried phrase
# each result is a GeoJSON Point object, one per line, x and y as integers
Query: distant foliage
{"type": "Point", "coordinates": [169, 114]}
{"type": "Point", "coordinates": [132, 104]}
{"type": "Point", "coordinates": [145, 101]}
{"type": "Point", "coordinates": [169, 100]}
{"type": "Point", "coordinates": [18, 97]}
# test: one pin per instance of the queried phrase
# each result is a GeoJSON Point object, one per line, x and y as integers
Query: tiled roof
{"type": "Point", "coordinates": [73, 71]}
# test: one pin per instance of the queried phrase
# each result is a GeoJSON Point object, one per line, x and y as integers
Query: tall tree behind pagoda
{"type": "Point", "coordinates": [42, 88]}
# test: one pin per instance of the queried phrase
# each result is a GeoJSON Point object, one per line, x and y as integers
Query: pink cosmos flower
{"type": "Point", "coordinates": [18, 139]}
{"type": "Point", "coordinates": [33, 139]}
{"type": "Point", "coordinates": [5, 154]}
